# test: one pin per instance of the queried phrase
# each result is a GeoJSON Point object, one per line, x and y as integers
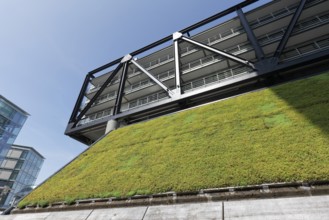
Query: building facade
{"type": "Point", "coordinates": [12, 119]}
{"type": "Point", "coordinates": [269, 44]}
{"type": "Point", "coordinates": [18, 173]}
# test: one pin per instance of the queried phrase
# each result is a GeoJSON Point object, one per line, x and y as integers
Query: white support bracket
{"type": "Point", "coordinates": [220, 52]}
{"type": "Point", "coordinates": [170, 93]}
{"type": "Point", "coordinates": [126, 58]}
{"type": "Point", "coordinates": [177, 35]}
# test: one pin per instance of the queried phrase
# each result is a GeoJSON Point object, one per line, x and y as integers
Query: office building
{"type": "Point", "coordinates": [18, 173]}
{"type": "Point", "coordinates": [12, 119]}
{"type": "Point", "coordinates": [252, 49]}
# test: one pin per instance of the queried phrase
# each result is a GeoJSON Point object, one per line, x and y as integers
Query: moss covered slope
{"type": "Point", "coordinates": [272, 135]}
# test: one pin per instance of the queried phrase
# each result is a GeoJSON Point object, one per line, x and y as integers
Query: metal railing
{"type": "Point", "coordinates": [216, 78]}
{"type": "Point", "coordinates": [146, 100]}
{"type": "Point", "coordinates": [306, 49]}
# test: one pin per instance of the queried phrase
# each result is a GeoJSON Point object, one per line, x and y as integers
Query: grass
{"type": "Point", "coordinates": [273, 135]}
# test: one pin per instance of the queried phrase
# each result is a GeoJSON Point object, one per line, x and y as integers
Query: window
{"type": "Point", "coordinates": [153, 97]}
{"type": "Point", "coordinates": [163, 75]}
{"type": "Point", "coordinates": [5, 174]}
{"type": "Point", "coordinates": [19, 164]}
{"type": "Point", "coordinates": [280, 12]}
{"type": "Point", "coordinates": [144, 82]}
{"type": "Point", "coordinates": [99, 115]}
{"type": "Point", "coordinates": [9, 164]}
{"type": "Point", "coordinates": [132, 104]}
{"type": "Point", "coordinates": [135, 86]}
{"type": "Point", "coordinates": [211, 79]}
{"type": "Point", "coordinates": [162, 95]}
{"type": "Point", "coordinates": [143, 101]}
{"type": "Point", "coordinates": [6, 110]}
{"type": "Point", "coordinates": [265, 18]}
{"type": "Point", "coordinates": [107, 112]}
{"type": "Point", "coordinates": [15, 153]}
{"type": "Point", "coordinates": [24, 154]}
{"type": "Point", "coordinates": [14, 175]}
{"type": "Point", "coordinates": [323, 43]}
{"type": "Point", "coordinates": [198, 83]}
{"type": "Point", "coordinates": [307, 48]}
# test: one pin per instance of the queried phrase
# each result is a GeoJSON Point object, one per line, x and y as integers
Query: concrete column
{"type": "Point", "coordinates": [111, 125]}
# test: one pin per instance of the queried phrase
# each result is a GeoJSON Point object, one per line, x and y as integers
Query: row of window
{"type": "Point", "coordinates": [9, 126]}
{"type": "Point", "coordinates": [10, 113]}
{"type": "Point", "coordinates": [6, 137]}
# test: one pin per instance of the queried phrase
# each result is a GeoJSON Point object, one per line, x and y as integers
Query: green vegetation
{"type": "Point", "coordinates": [273, 135]}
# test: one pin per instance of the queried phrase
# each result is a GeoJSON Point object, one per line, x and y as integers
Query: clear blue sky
{"type": "Point", "coordinates": [47, 47]}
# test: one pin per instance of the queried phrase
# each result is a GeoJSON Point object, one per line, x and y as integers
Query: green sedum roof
{"type": "Point", "coordinates": [272, 135]}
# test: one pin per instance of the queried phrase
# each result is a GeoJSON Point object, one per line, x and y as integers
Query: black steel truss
{"type": "Point", "coordinates": [176, 38]}
{"type": "Point", "coordinates": [118, 101]}
{"type": "Point", "coordinates": [93, 99]}
{"type": "Point", "coordinates": [220, 52]}
{"type": "Point", "coordinates": [77, 105]}
{"type": "Point", "coordinates": [170, 93]}
{"type": "Point", "coordinates": [251, 36]}
{"type": "Point", "coordinates": [290, 28]}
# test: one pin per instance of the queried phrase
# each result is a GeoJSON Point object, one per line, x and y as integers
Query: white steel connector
{"type": "Point", "coordinates": [126, 58]}
{"type": "Point", "coordinates": [176, 35]}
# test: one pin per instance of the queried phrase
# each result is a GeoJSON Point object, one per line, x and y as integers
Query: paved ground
{"type": "Point", "coordinates": [313, 207]}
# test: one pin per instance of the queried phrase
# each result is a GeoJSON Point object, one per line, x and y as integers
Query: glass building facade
{"type": "Point", "coordinates": [18, 173]}
{"type": "Point", "coordinates": [19, 165]}
{"type": "Point", "coordinates": [12, 118]}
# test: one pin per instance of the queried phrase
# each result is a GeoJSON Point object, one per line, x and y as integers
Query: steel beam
{"type": "Point", "coordinates": [118, 101]}
{"type": "Point", "coordinates": [220, 52]}
{"type": "Point", "coordinates": [251, 36]}
{"type": "Point", "coordinates": [80, 98]}
{"type": "Point", "coordinates": [176, 37]}
{"type": "Point", "coordinates": [93, 99]}
{"type": "Point", "coordinates": [170, 93]}
{"type": "Point", "coordinates": [289, 30]}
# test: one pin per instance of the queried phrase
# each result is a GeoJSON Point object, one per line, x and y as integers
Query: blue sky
{"type": "Point", "coordinates": [47, 47]}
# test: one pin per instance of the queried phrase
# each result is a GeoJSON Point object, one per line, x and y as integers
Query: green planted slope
{"type": "Point", "coordinates": [273, 135]}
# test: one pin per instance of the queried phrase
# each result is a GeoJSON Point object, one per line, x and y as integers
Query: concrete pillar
{"type": "Point", "coordinates": [111, 125]}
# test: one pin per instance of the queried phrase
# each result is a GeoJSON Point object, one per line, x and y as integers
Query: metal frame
{"type": "Point", "coordinates": [75, 117]}
{"type": "Point", "coordinates": [263, 65]}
